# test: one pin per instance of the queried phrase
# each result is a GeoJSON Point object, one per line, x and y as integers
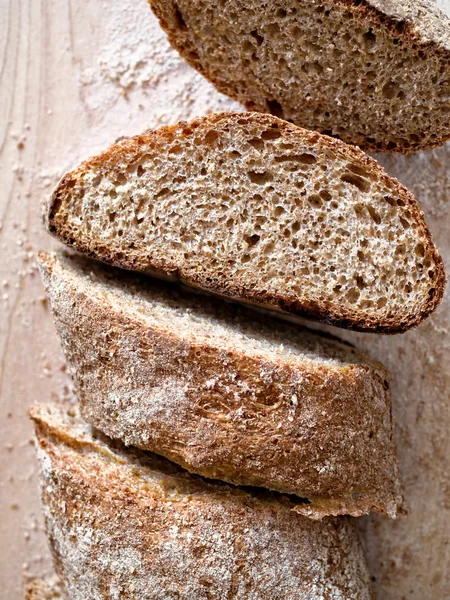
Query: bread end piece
{"type": "Point", "coordinates": [130, 522]}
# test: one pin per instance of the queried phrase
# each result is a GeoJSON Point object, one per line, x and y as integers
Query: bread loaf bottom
{"type": "Point", "coordinates": [130, 525]}
{"type": "Point", "coordinates": [225, 392]}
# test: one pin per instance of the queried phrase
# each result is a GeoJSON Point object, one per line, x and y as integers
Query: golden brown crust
{"type": "Point", "coordinates": [129, 525]}
{"type": "Point", "coordinates": [318, 426]}
{"type": "Point", "coordinates": [423, 28]}
{"type": "Point", "coordinates": [327, 312]}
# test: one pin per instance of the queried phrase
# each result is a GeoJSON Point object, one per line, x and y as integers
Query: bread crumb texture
{"type": "Point", "coordinates": [225, 392]}
{"type": "Point", "coordinates": [129, 525]}
{"type": "Point", "coordinates": [374, 73]}
{"type": "Point", "coordinates": [255, 208]}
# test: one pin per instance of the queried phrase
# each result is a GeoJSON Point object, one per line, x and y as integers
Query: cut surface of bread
{"type": "Point", "coordinates": [373, 73]}
{"type": "Point", "coordinates": [251, 207]}
{"type": "Point", "coordinates": [45, 589]}
{"type": "Point", "coordinates": [225, 392]}
{"type": "Point", "coordinates": [129, 525]}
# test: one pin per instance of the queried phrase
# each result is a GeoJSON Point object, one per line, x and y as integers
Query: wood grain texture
{"type": "Point", "coordinates": [74, 76]}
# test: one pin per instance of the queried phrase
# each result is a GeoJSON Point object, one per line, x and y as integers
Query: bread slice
{"type": "Point", "coordinates": [374, 73]}
{"type": "Point", "coordinates": [224, 392]}
{"type": "Point", "coordinates": [129, 525]}
{"type": "Point", "coordinates": [257, 209]}
{"type": "Point", "coordinates": [45, 589]}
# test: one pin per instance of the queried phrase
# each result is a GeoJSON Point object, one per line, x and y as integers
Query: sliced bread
{"type": "Point", "coordinates": [129, 525]}
{"type": "Point", "coordinates": [224, 392]}
{"type": "Point", "coordinates": [260, 210]}
{"type": "Point", "coordinates": [374, 73]}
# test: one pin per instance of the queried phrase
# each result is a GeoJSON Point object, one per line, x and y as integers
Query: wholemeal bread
{"type": "Point", "coordinates": [374, 73]}
{"type": "Point", "coordinates": [225, 392]}
{"type": "Point", "coordinates": [260, 210]}
{"type": "Point", "coordinates": [130, 525]}
{"type": "Point", "coordinates": [45, 589]}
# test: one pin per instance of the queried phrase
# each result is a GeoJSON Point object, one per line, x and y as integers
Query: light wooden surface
{"type": "Point", "coordinates": [74, 76]}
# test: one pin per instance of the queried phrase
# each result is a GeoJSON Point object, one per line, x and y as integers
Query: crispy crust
{"type": "Point", "coordinates": [124, 524]}
{"type": "Point", "coordinates": [409, 25]}
{"type": "Point", "coordinates": [333, 314]}
{"type": "Point", "coordinates": [318, 429]}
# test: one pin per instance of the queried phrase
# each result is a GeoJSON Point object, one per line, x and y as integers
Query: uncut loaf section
{"type": "Point", "coordinates": [130, 525]}
{"type": "Point", "coordinates": [375, 73]}
{"type": "Point", "coordinates": [225, 392]}
{"type": "Point", "coordinates": [252, 207]}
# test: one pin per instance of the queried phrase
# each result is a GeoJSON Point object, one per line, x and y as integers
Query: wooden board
{"type": "Point", "coordinates": [74, 76]}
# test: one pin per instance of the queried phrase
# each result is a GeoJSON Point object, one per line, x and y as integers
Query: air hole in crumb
{"type": "Point", "coordinates": [211, 137]}
{"type": "Point", "coordinates": [373, 213]}
{"type": "Point", "coordinates": [315, 200]}
{"type": "Point", "coordinates": [112, 217]}
{"type": "Point", "coordinates": [175, 149]}
{"type": "Point", "coordinates": [120, 179]}
{"type": "Point", "coordinates": [381, 302]}
{"type": "Point", "coordinates": [304, 159]}
{"type": "Point", "coordinates": [370, 39]}
{"type": "Point", "coordinates": [352, 295]}
{"type": "Point", "coordinates": [358, 182]}
{"type": "Point", "coordinates": [358, 171]}
{"type": "Point", "coordinates": [257, 143]}
{"type": "Point", "coordinates": [162, 192]}
{"type": "Point", "coordinates": [390, 90]}
{"type": "Point", "coordinates": [360, 282]}
{"type": "Point", "coordinates": [325, 195]}
{"type": "Point", "coordinates": [391, 201]}
{"type": "Point", "coordinates": [252, 240]}
{"type": "Point", "coordinates": [259, 38]}
{"type": "Point", "coordinates": [260, 178]}
{"type": "Point", "coordinates": [140, 171]}
{"type": "Point", "coordinates": [404, 222]}
{"type": "Point", "coordinates": [420, 250]}
{"type": "Point", "coordinates": [272, 133]}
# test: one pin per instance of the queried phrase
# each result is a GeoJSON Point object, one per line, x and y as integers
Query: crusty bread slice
{"type": "Point", "coordinates": [129, 525]}
{"type": "Point", "coordinates": [374, 73]}
{"type": "Point", "coordinates": [45, 589]}
{"type": "Point", "coordinates": [255, 208]}
{"type": "Point", "coordinates": [224, 392]}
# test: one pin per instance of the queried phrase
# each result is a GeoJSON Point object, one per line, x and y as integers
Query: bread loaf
{"type": "Point", "coordinates": [260, 210]}
{"type": "Point", "coordinates": [225, 392]}
{"type": "Point", "coordinates": [374, 73]}
{"type": "Point", "coordinates": [129, 525]}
